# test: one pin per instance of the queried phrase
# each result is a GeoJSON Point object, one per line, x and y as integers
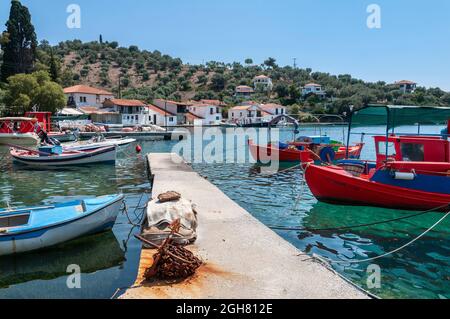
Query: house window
{"type": "Point", "coordinates": [171, 119]}
{"type": "Point", "coordinates": [217, 110]}
{"type": "Point", "coordinates": [82, 99]}
{"type": "Point", "coordinates": [276, 112]}
{"type": "Point", "coordinates": [240, 114]}
{"type": "Point", "coordinates": [217, 118]}
{"type": "Point", "coordinates": [211, 111]}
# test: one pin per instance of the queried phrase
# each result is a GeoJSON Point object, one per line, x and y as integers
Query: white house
{"type": "Point", "coordinates": [178, 108]}
{"type": "Point", "coordinates": [407, 86]}
{"type": "Point", "coordinates": [133, 112]}
{"type": "Point", "coordinates": [207, 112]}
{"type": "Point", "coordinates": [83, 95]}
{"type": "Point", "coordinates": [263, 83]}
{"type": "Point", "coordinates": [244, 91]}
{"type": "Point", "coordinates": [245, 113]}
{"type": "Point", "coordinates": [313, 88]}
{"type": "Point", "coordinates": [160, 117]}
{"type": "Point", "coordinates": [254, 113]}
{"type": "Point", "coordinates": [272, 110]}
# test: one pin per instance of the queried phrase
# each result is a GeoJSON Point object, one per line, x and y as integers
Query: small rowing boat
{"type": "Point", "coordinates": [96, 143]}
{"type": "Point", "coordinates": [55, 156]}
{"type": "Point", "coordinates": [29, 229]}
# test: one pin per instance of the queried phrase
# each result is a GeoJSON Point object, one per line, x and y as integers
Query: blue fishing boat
{"type": "Point", "coordinates": [29, 229]}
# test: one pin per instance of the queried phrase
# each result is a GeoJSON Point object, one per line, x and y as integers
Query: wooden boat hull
{"type": "Point", "coordinates": [102, 155]}
{"type": "Point", "coordinates": [95, 221]}
{"type": "Point", "coordinates": [267, 153]}
{"type": "Point", "coordinates": [332, 184]}
{"type": "Point", "coordinates": [22, 139]}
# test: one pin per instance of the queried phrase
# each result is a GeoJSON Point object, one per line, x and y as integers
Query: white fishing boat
{"type": "Point", "coordinates": [48, 157]}
{"type": "Point", "coordinates": [28, 229]}
{"type": "Point", "coordinates": [96, 142]}
{"type": "Point", "coordinates": [18, 131]}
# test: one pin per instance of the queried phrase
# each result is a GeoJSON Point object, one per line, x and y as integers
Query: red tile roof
{"type": "Point", "coordinates": [191, 115]}
{"type": "Point", "coordinates": [159, 110]}
{"type": "Point", "coordinates": [262, 76]}
{"type": "Point", "coordinates": [86, 90]}
{"type": "Point", "coordinates": [124, 102]}
{"type": "Point", "coordinates": [244, 89]}
{"type": "Point", "coordinates": [405, 82]}
{"type": "Point", "coordinates": [313, 84]}
{"type": "Point", "coordinates": [173, 102]}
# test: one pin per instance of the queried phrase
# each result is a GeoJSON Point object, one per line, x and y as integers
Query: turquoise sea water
{"type": "Point", "coordinates": [110, 260]}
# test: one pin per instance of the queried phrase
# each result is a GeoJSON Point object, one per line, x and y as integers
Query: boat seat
{"type": "Point", "coordinates": [14, 221]}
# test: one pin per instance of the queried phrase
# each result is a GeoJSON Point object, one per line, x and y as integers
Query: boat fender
{"type": "Point", "coordinates": [327, 154]}
{"type": "Point", "coordinates": [138, 149]}
{"type": "Point", "coordinates": [404, 176]}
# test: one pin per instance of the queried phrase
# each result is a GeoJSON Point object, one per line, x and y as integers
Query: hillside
{"type": "Point", "coordinates": [147, 75]}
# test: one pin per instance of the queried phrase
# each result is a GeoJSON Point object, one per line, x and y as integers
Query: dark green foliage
{"type": "Point", "coordinates": [18, 42]}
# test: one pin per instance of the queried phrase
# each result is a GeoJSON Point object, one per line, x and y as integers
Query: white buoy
{"type": "Point", "coordinates": [404, 176]}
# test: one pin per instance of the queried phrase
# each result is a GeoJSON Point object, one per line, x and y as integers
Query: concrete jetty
{"type": "Point", "coordinates": [243, 258]}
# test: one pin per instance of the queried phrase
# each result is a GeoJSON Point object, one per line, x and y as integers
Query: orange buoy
{"type": "Point", "coordinates": [138, 149]}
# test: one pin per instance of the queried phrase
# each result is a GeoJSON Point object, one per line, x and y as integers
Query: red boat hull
{"type": "Point", "coordinates": [334, 185]}
{"type": "Point", "coordinates": [268, 153]}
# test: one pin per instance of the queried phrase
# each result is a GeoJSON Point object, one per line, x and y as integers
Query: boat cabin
{"type": "Point", "coordinates": [44, 119]}
{"type": "Point", "coordinates": [411, 149]}
{"type": "Point", "coordinates": [11, 125]}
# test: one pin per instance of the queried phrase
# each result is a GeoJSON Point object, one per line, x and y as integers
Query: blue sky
{"type": "Point", "coordinates": [325, 35]}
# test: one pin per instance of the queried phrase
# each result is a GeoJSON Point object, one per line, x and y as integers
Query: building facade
{"type": "Point", "coordinates": [313, 88]}
{"type": "Point", "coordinates": [406, 86]}
{"type": "Point", "coordinates": [244, 91]}
{"type": "Point", "coordinates": [83, 95]}
{"type": "Point", "coordinates": [208, 112]}
{"type": "Point", "coordinates": [262, 83]}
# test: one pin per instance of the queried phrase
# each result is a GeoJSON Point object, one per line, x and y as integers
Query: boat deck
{"type": "Point", "coordinates": [150, 136]}
{"type": "Point", "coordinates": [242, 257]}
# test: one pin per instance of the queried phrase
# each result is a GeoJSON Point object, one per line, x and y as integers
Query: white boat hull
{"type": "Point", "coordinates": [94, 145]}
{"type": "Point", "coordinates": [25, 139]}
{"type": "Point", "coordinates": [108, 156]}
{"type": "Point", "coordinates": [101, 220]}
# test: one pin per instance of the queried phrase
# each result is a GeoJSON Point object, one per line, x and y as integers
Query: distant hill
{"type": "Point", "coordinates": [147, 75]}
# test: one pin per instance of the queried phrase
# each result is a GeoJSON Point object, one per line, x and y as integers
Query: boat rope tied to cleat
{"type": "Point", "coordinates": [434, 210]}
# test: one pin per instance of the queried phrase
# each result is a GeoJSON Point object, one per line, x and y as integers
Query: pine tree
{"type": "Point", "coordinates": [101, 39]}
{"type": "Point", "coordinates": [18, 42]}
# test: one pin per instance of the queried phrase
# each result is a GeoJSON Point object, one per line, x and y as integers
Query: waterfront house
{"type": "Point", "coordinates": [205, 112]}
{"type": "Point", "coordinates": [83, 95]}
{"type": "Point", "coordinates": [406, 86]}
{"type": "Point", "coordinates": [101, 115]}
{"type": "Point", "coordinates": [158, 116]}
{"type": "Point", "coordinates": [272, 110]}
{"type": "Point", "coordinates": [244, 91]}
{"type": "Point", "coordinates": [133, 112]}
{"type": "Point", "coordinates": [313, 88]}
{"type": "Point", "coordinates": [173, 107]}
{"type": "Point", "coordinates": [262, 83]}
{"type": "Point", "coordinates": [252, 112]}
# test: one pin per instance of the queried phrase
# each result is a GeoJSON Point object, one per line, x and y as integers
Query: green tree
{"type": "Point", "coordinates": [18, 42]}
{"type": "Point", "coordinates": [270, 63]}
{"type": "Point", "coordinates": [218, 82]}
{"type": "Point", "coordinates": [248, 61]}
{"type": "Point", "coordinates": [24, 91]}
{"type": "Point", "coordinates": [54, 67]}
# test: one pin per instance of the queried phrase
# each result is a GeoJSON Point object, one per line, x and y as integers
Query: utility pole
{"type": "Point", "coordinates": [120, 90]}
{"type": "Point", "coordinates": [295, 63]}
{"type": "Point", "coordinates": [165, 113]}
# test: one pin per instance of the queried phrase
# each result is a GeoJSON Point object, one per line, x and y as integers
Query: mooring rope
{"type": "Point", "coordinates": [282, 228]}
{"type": "Point", "coordinates": [391, 252]}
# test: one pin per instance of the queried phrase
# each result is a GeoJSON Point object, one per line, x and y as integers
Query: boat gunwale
{"type": "Point", "coordinates": [118, 197]}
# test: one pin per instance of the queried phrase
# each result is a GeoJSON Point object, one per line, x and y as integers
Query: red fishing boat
{"type": "Point", "coordinates": [45, 120]}
{"type": "Point", "coordinates": [304, 151]}
{"type": "Point", "coordinates": [304, 148]}
{"type": "Point", "coordinates": [410, 172]}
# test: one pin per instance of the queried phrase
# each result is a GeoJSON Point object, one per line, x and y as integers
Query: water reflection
{"type": "Point", "coordinates": [52, 263]}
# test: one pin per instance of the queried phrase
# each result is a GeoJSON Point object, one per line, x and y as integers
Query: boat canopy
{"type": "Point", "coordinates": [284, 118]}
{"type": "Point", "coordinates": [16, 119]}
{"type": "Point", "coordinates": [394, 116]}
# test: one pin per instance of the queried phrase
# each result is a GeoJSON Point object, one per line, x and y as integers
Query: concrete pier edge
{"type": "Point", "coordinates": [243, 259]}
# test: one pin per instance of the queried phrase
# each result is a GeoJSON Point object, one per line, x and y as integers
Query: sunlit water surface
{"type": "Point", "coordinates": [109, 261]}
